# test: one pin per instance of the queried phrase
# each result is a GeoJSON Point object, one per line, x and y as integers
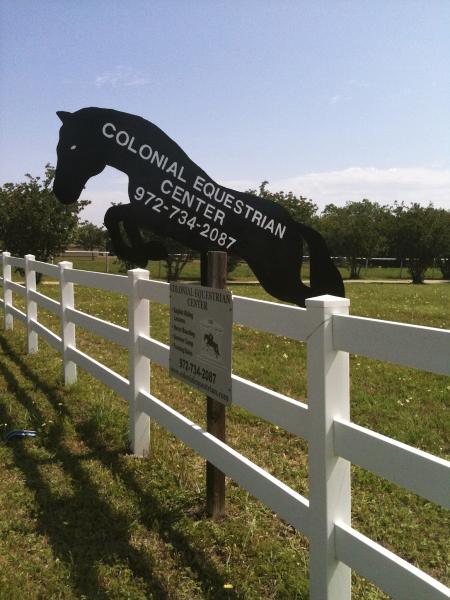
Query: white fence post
{"type": "Point", "coordinates": [30, 283]}
{"type": "Point", "coordinates": [138, 365]}
{"type": "Point", "coordinates": [7, 293]}
{"type": "Point", "coordinates": [67, 328]}
{"type": "Point", "coordinates": [329, 475]}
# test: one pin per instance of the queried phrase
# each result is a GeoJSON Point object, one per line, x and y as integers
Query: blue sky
{"type": "Point", "coordinates": [334, 100]}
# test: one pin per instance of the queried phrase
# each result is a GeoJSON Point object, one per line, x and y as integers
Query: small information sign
{"type": "Point", "coordinates": [201, 320]}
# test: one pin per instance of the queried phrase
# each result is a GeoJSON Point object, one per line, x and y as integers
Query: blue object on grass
{"type": "Point", "coordinates": [20, 433]}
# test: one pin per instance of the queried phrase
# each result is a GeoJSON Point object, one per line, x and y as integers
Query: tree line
{"type": "Point", "coordinates": [418, 236]}
{"type": "Point", "coordinates": [33, 221]}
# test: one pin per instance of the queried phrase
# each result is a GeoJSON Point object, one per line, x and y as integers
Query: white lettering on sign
{"type": "Point", "coordinates": [145, 152]}
{"type": "Point", "coordinates": [109, 125]}
{"type": "Point", "coordinates": [182, 217]}
{"type": "Point", "coordinates": [206, 189]}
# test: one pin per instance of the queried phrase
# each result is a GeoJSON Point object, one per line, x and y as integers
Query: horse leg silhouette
{"type": "Point", "coordinates": [150, 250]}
{"type": "Point", "coordinates": [138, 252]}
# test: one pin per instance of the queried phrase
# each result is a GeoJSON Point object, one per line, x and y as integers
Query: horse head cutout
{"type": "Point", "coordinates": [77, 162]}
{"type": "Point", "coordinates": [172, 197]}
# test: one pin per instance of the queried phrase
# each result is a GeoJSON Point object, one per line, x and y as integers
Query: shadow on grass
{"type": "Point", "coordinates": [83, 528]}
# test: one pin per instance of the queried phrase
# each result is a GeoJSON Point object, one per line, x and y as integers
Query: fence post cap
{"type": "Point", "coordinates": [138, 273]}
{"type": "Point", "coordinates": [327, 301]}
{"type": "Point", "coordinates": [65, 264]}
{"type": "Point", "coordinates": [29, 256]}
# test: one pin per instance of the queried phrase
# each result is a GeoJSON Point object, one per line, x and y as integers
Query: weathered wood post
{"type": "Point", "coordinates": [214, 274]}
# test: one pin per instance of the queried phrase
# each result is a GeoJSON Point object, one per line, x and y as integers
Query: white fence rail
{"type": "Point", "coordinates": [334, 441]}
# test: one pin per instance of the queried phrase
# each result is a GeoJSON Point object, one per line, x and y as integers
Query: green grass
{"type": "Point", "coordinates": [81, 518]}
{"type": "Point", "coordinates": [242, 272]}
{"type": "Point", "coordinates": [157, 268]}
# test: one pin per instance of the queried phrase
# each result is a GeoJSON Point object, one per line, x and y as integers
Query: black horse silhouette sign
{"type": "Point", "coordinates": [172, 197]}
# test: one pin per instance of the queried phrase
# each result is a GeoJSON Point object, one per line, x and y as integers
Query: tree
{"type": "Point", "coordinates": [33, 221]}
{"type": "Point", "coordinates": [355, 231]}
{"type": "Point", "coordinates": [299, 207]}
{"type": "Point", "coordinates": [419, 234]}
{"type": "Point", "coordinates": [91, 237]}
{"type": "Point", "coordinates": [444, 259]}
{"type": "Point", "coordinates": [178, 255]}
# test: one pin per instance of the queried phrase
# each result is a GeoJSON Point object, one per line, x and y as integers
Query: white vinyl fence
{"type": "Point", "coordinates": [334, 441]}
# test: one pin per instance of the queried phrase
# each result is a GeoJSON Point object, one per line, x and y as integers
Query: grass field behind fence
{"type": "Point", "coordinates": [81, 518]}
{"type": "Point", "coordinates": [242, 272]}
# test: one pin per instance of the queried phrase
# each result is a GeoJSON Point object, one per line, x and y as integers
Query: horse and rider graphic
{"type": "Point", "coordinates": [211, 343]}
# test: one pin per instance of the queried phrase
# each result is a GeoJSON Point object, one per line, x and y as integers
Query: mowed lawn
{"type": "Point", "coordinates": [242, 271]}
{"type": "Point", "coordinates": [82, 518]}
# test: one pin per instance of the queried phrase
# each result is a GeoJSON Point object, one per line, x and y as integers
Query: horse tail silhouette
{"type": "Point", "coordinates": [324, 277]}
{"type": "Point", "coordinates": [281, 276]}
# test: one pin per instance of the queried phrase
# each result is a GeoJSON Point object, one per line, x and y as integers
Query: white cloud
{"type": "Point", "coordinates": [335, 99]}
{"type": "Point", "coordinates": [360, 83]}
{"type": "Point", "coordinates": [407, 185]}
{"type": "Point", "coordinates": [120, 76]}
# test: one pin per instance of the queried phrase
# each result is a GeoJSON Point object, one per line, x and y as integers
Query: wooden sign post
{"type": "Point", "coordinates": [214, 274]}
